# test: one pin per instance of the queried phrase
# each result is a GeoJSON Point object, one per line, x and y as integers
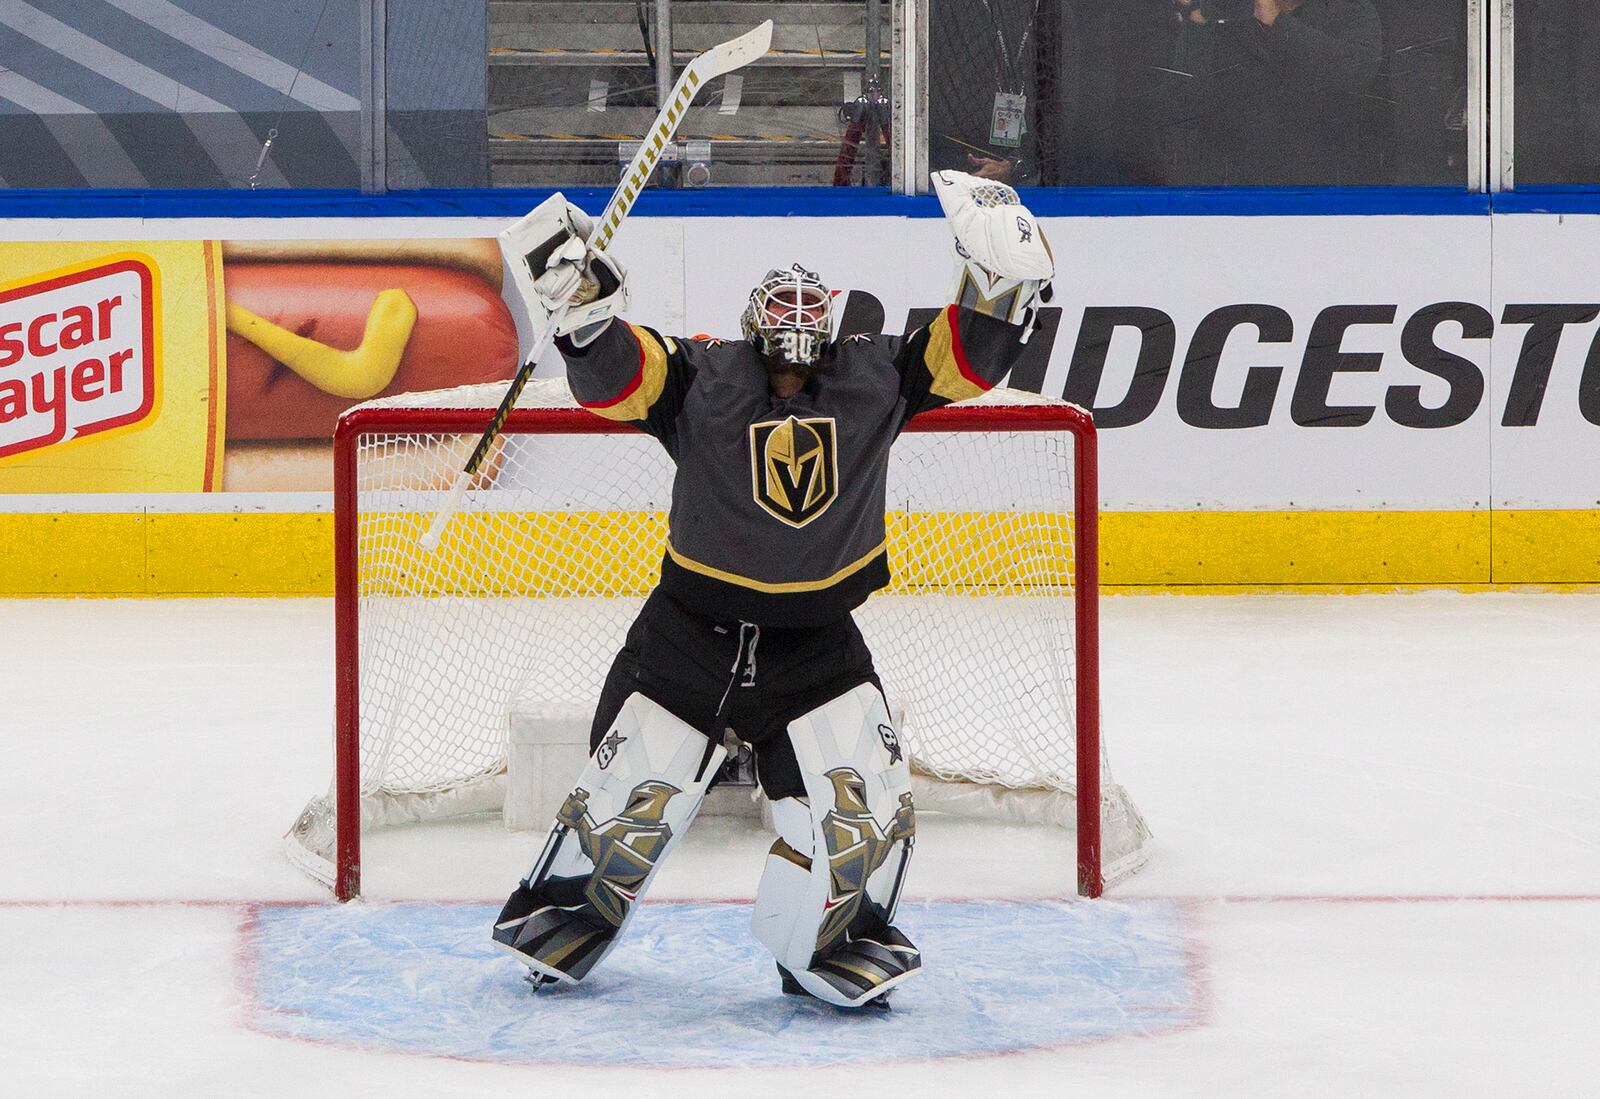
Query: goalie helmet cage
{"type": "Point", "coordinates": [993, 520]}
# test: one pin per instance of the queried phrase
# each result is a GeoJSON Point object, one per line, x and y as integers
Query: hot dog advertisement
{"type": "Point", "coordinates": [198, 366]}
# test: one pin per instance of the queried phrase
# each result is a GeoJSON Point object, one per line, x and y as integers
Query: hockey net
{"type": "Point", "coordinates": [986, 640]}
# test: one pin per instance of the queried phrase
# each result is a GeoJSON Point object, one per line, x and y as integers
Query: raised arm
{"type": "Point", "coordinates": [960, 354]}
{"type": "Point", "coordinates": [1002, 280]}
{"type": "Point", "coordinates": [631, 374]}
{"type": "Point", "coordinates": [617, 370]}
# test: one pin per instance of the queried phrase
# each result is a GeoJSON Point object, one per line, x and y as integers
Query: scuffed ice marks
{"type": "Point", "coordinates": [690, 987]}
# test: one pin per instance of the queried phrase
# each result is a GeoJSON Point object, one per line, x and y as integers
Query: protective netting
{"type": "Point", "coordinates": [573, 88]}
{"type": "Point", "coordinates": [526, 601]}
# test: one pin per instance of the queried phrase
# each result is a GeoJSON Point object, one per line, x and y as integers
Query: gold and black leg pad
{"type": "Point", "coordinates": [637, 796]}
{"type": "Point", "coordinates": [826, 903]}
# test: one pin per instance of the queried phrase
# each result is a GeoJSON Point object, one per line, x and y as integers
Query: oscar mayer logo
{"type": "Point", "coordinates": [77, 353]}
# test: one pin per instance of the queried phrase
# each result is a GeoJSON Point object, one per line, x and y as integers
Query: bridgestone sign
{"type": "Point", "coordinates": [1246, 363]}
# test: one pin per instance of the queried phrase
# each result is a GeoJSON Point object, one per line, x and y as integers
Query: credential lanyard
{"type": "Point", "coordinates": [1010, 77]}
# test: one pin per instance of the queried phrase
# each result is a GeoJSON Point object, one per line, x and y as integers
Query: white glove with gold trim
{"type": "Point", "coordinates": [553, 267]}
{"type": "Point", "coordinates": [1005, 264]}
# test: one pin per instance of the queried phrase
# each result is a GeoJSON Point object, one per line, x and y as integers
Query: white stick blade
{"type": "Point", "coordinates": [717, 61]}
{"type": "Point", "coordinates": [441, 519]}
{"type": "Point", "coordinates": [735, 53]}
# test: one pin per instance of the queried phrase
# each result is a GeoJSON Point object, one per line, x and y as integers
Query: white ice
{"type": "Point", "coordinates": [1381, 815]}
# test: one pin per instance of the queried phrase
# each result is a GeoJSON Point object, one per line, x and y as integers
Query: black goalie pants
{"type": "Point", "coordinates": [732, 675]}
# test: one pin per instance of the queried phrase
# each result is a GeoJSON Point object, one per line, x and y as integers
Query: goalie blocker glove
{"type": "Point", "coordinates": [559, 278]}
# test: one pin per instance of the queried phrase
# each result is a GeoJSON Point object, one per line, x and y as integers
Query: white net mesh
{"type": "Point", "coordinates": [995, 194]}
{"type": "Point", "coordinates": [528, 598]}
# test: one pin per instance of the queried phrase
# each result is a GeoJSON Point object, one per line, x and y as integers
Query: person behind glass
{"type": "Point", "coordinates": [983, 93]}
{"type": "Point", "coordinates": [1270, 90]}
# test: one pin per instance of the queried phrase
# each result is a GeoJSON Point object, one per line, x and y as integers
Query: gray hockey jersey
{"type": "Point", "coordinates": [778, 503]}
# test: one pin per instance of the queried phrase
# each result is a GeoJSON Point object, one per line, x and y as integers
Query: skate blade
{"type": "Point", "coordinates": [540, 975]}
{"type": "Point", "coordinates": [876, 999]}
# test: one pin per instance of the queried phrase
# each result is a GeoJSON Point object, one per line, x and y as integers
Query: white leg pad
{"type": "Point", "coordinates": [827, 898]}
{"type": "Point", "coordinates": [633, 802]}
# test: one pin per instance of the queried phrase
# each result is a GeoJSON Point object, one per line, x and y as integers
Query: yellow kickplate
{"type": "Point", "coordinates": [112, 554]}
{"type": "Point", "coordinates": [247, 553]}
{"type": "Point", "coordinates": [1547, 547]}
{"type": "Point", "coordinates": [72, 554]}
{"type": "Point", "coordinates": [1270, 548]}
{"type": "Point", "coordinates": [255, 553]}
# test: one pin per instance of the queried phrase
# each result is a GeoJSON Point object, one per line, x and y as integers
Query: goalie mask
{"type": "Point", "coordinates": [789, 319]}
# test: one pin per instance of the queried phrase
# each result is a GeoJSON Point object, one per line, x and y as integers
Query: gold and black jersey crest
{"type": "Point", "coordinates": [794, 467]}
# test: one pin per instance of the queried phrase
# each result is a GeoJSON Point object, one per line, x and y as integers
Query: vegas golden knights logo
{"type": "Point", "coordinates": [623, 849]}
{"type": "Point", "coordinates": [794, 467]}
{"type": "Point", "coordinates": [856, 846]}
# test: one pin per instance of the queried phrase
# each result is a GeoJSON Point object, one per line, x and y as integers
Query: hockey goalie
{"type": "Point", "coordinates": [776, 534]}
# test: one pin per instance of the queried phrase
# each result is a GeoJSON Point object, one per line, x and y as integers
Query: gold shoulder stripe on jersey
{"type": "Point", "coordinates": [644, 390]}
{"type": "Point", "coordinates": [953, 377]}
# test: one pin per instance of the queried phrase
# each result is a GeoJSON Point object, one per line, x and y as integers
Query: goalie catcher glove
{"type": "Point", "coordinates": [1005, 264]}
{"type": "Point", "coordinates": [992, 227]}
{"type": "Point", "coordinates": [554, 269]}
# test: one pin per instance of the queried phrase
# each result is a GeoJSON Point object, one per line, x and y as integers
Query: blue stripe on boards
{"type": "Point", "coordinates": [1551, 200]}
{"type": "Point", "coordinates": [751, 202]}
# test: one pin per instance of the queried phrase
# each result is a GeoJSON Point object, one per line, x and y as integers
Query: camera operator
{"type": "Point", "coordinates": [1270, 90]}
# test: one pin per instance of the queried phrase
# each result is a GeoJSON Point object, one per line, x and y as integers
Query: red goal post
{"type": "Point", "coordinates": [393, 426]}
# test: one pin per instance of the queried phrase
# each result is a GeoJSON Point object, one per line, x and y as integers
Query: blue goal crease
{"type": "Point", "coordinates": [689, 986]}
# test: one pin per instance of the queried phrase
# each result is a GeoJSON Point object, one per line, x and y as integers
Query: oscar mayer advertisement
{"type": "Point", "coordinates": [101, 390]}
{"type": "Point", "coordinates": [199, 366]}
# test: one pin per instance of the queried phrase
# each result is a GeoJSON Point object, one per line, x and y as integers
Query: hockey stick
{"type": "Point", "coordinates": [720, 60]}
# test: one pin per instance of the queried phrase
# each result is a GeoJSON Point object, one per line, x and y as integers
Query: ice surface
{"type": "Point", "coordinates": [1377, 840]}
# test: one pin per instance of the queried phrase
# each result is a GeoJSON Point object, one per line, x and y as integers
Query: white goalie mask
{"type": "Point", "coordinates": [790, 317]}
